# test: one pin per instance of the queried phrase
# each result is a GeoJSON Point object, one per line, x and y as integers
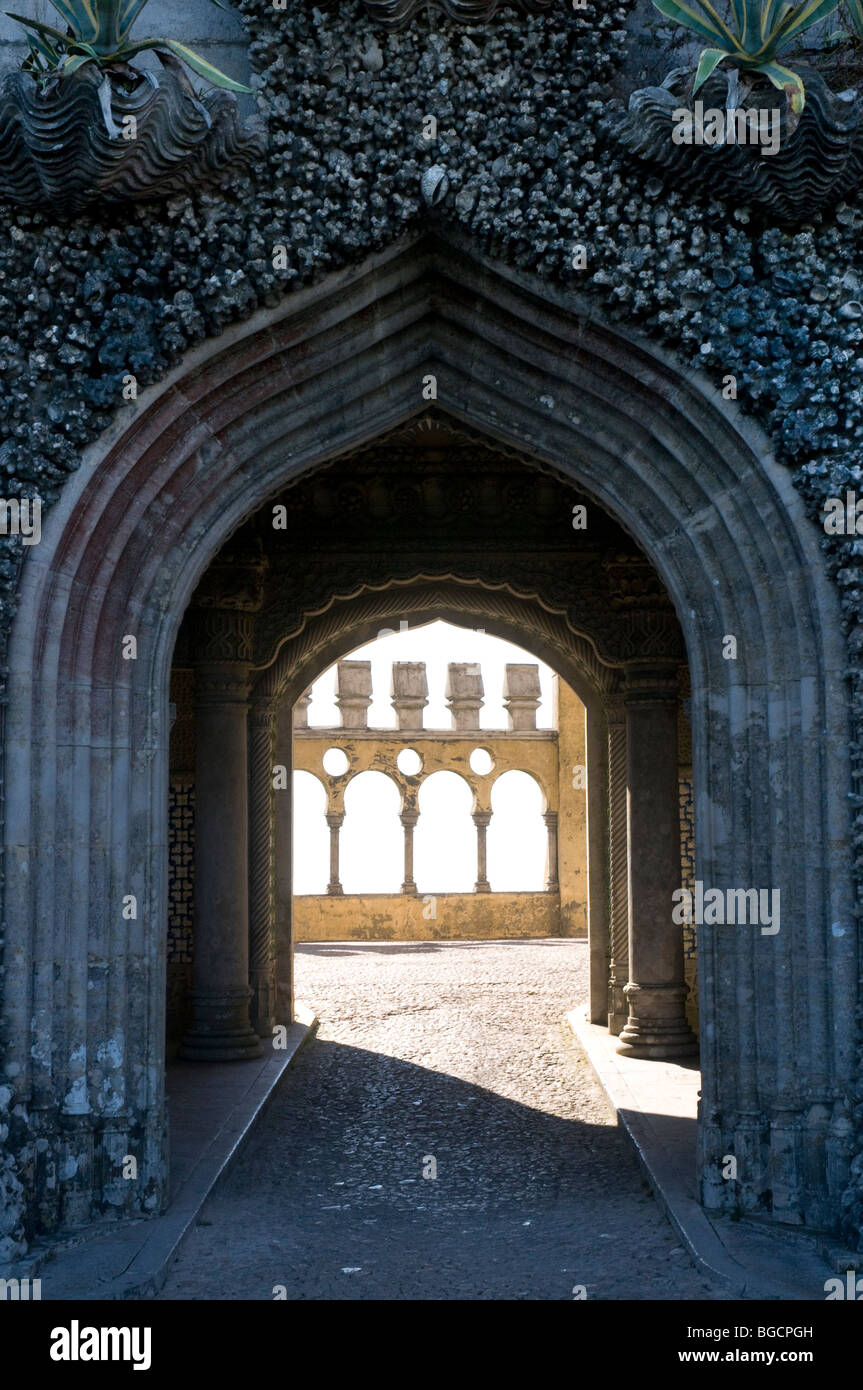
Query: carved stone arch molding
{"type": "Point", "coordinates": [86, 738]}
{"type": "Point", "coordinates": [349, 620]}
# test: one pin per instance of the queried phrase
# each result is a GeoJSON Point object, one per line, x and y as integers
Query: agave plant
{"type": "Point", "coordinates": [757, 32]}
{"type": "Point", "coordinates": [99, 32]}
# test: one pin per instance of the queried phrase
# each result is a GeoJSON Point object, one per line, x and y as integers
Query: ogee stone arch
{"type": "Point", "coordinates": [87, 730]}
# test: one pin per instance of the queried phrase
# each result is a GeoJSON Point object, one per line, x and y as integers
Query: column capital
{"type": "Point", "coordinates": [651, 682]}
{"type": "Point", "coordinates": [222, 683]}
{"type": "Point", "coordinates": [615, 709]}
{"type": "Point", "coordinates": [262, 711]}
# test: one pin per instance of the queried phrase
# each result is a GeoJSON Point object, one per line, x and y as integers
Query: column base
{"type": "Point", "coordinates": [657, 1025]}
{"type": "Point", "coordinates": [220, 1031]}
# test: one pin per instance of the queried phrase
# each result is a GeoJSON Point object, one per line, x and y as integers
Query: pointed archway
{"type": "Point", "coordinates": [87, 728]}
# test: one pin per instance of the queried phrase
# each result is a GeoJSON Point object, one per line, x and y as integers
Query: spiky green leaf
{"type": "Point", "coordinates": [192, 60]}
{"type": "Point", "coordinates": [773, 13]}
{"type": "Point", "coordinates": [707, 63]}
{"type": "Point", "coordinates": [855, 14]}
{"type": "Point", "coordinates": [683, 14]}
{"type": "Point", "coordinates": [84, 17]}
{"type": "Point", "coordinates": [801, 19]}
{"type": "Point", "coordinates": [73, 63]}
{"type": "Point", "coordinates": [787, 81]}
{"type": "Point", "coordinates": [43, 48]}
{"type": "Point", "coordinates": [129, 11]}
{"type": "Point", "coordinates": [45, 29]}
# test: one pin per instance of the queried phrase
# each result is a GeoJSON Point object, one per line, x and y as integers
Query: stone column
{"type": "Point", "coordinates": [262, 905]}
{"type": "Point", "coordinates": [409, 694]}
{"type": "Point", "coordinates": [221, 1030]}
{"type": "Point", "coordinates": [335, 820]}
{"type": "Point", "coordinates": [618, 866]}
{"type": "Point", "coordinates": [656, 991]}
{"type": "Point", "coordinates": [409, 818]}
{"type": "Point", "coordinates": [464, 692]}
{"type": "Point", "coordinates": [283, 860]}
{"type": "Point", "coordinates": [354, 693]}
{"type": "Point", "coordinates": [552, 884]}
{"type": "Point", "coordinates": [521, 691]}
{"type": "Point", "coordinates": [481, 821]}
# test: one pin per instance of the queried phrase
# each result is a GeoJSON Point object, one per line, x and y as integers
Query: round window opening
{"type": "Point", "coordinates": [336, 762]}
{"type": "Point", "coordinates": [481, 762]}
{"type": "Point", "coordinates": [409, 762]}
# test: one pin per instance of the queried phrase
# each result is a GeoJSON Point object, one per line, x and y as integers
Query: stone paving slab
{"type": "Point", "coordinates": [213, 1108]}
{"type": "Point", "coordinates": [657, 1104]}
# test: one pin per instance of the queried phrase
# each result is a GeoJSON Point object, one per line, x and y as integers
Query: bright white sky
{"type": "Point", "coordinates": [371, 842]}
{"type": "Point", "coordinates": [436, 644]}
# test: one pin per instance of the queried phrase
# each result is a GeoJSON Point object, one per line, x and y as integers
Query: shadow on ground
{"type": "Point", "coordinates": [330, 1201]}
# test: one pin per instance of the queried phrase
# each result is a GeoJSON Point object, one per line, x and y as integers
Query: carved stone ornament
{"type": "Point", "coordinates": [395, 14]}
{"type": "Point", "coordinates": [817, 164]}
{"type": "Point", "coordinates": [66, 145]}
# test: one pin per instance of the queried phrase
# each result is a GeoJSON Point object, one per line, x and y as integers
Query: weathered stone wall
{"type": "Point", "coordinates": [531, 173]}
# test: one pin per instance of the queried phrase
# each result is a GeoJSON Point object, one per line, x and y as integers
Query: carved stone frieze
{"type": "Point", "coordinates": [223, 635]}
{"type": "Point", "coordinates": [235, 579]}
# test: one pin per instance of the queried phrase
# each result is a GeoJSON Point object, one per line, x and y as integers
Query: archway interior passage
{"type": "Point", "coordinates": [361, 563]}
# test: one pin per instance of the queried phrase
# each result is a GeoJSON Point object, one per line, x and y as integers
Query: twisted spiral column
{"type": "Point", "coordinates": [262, 905]}
{"type": "Point", "coordinates": [618, 866]}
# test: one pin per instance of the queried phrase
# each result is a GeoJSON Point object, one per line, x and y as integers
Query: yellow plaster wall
{"type": "Point", "coordinates": [398, 917]}
{"type": "Point", "coordinates": [547, 754]}
{"type": "Point", "coordinates": [571, 718]}
{"type": "Point", "coordinates": [376, 750]}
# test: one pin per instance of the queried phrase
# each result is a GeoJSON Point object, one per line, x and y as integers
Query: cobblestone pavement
{"type": "Point", "coordinates": [455, 1052]}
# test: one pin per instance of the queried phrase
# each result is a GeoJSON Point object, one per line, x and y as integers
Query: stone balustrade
{"type": "Point", "coordinates": [521, 747]}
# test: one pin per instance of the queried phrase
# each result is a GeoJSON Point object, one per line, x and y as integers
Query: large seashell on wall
{"type": "Point", "coordinates": [434, 184]}
{"type": "Point", "coordinates": [62, 148]}
{"type": "Point", "coordinates": [817, 164]}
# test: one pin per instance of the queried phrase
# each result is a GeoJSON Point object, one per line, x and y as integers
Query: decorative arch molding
{"type": "Point", "coordinates": [359, 617]}
{"type": "Point", "coordinates": [86, 739]}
